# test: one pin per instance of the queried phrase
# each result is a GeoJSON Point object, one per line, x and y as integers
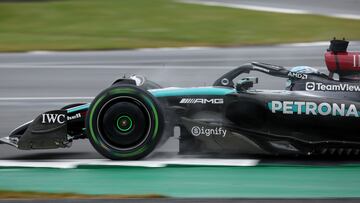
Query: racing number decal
{"type": "Point", "coordinates": [356, 60]}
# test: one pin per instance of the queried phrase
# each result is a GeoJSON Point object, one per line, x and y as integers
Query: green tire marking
{"type": "Point", "coordinates": [91, 120]}
{"type": "Point", "coordinates": [156, 121]}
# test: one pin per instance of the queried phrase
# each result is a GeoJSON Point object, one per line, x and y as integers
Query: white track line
{"type": "Point", "coordinates": [175, 49]}
{"type": "Point", "coordinates": [249, 7]}
{"type": "Point", "coordinates": [309, 44]}
{"type": "Point", "coordinates": [99, 67]}
{"type": "Point", "coordinates": [270, 9]}
{"type": "Point", "coordinates": [73, 163]}
{"type": "Point", "coordinates": [40, 52]}
{"type": "Point", "coordinates": [46, 52]}
{"type": "Point", "coordinates": [346, 16]}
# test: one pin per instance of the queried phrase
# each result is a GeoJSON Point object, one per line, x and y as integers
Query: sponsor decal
{"type": "Point", "coordinates": [49, 118]}
{"type": "Point", "coordinates": [76, 116]}
{"type": "Point", "coordinates": [310, 86]}
{"type": "Point", "coordinates": [201, 101]}
{"type": "Point", "coordinates": [208, 131]}
{"type": "Point", "coordinates": [356, 63]}
{"type": "Point", "coordinates": [312, 108]}
{"type": "Point", "coordinates": [345, 87]}
{"type": "Point", "coordinates": [301, 76]}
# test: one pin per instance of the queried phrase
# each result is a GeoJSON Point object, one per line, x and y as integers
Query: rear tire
{"type": "Point", "coordinates": [124, 122]}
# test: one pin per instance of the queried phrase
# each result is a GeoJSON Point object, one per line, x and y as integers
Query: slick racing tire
{"type": "Point", "coordinates": [124, 122]}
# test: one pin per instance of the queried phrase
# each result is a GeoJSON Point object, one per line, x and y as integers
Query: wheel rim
{"type": "Point", "coordinates": [125, 137]}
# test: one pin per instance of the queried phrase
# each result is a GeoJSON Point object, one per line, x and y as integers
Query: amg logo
{"type": "Point", "coordinates": [53, 118]}
{"type": "Point", "coordinates": [201, 101]}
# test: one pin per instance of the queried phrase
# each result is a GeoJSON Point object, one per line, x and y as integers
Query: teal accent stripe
{"type": "Point", "coordinates": [78, 108]}
{"type": "Point", "coordinates": [168, 92]}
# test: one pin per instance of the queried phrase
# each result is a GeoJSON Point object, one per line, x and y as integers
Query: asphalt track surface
{"type": "Point", "coordinates": [31, 83]}
{"type": "Point", "coordinates": [343, 8]}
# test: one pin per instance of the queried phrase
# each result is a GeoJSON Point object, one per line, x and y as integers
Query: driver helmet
{"type": "Point", "coordinates": [300, 69]}
{"type": "Point", "coordinates": [303, 69]}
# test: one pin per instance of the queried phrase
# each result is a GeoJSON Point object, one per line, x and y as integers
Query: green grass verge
{"type": "Point", "coordinates": [114, 24]}
{"type": "Point", "coordinates": [5, 194]}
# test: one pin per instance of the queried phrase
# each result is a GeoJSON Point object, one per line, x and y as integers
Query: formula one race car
{"type": "Point", "coordinates": [314, 115]}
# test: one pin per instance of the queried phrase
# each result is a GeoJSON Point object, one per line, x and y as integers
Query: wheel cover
{"type": "Point", "coordinates": [103, 135]}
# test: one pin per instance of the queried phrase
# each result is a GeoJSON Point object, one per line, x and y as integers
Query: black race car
{"type": "Point", "coordinates": [314, 115]}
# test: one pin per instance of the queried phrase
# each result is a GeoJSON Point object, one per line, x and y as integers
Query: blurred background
{"type": "Point", "coordinates": [112, 24]}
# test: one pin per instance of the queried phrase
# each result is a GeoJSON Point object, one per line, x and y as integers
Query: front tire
{"type": "Point", "coordinates": [124, 122]}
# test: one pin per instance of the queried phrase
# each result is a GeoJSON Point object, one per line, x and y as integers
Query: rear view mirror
{"type": "Point", "coordinates": [246, 83]}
